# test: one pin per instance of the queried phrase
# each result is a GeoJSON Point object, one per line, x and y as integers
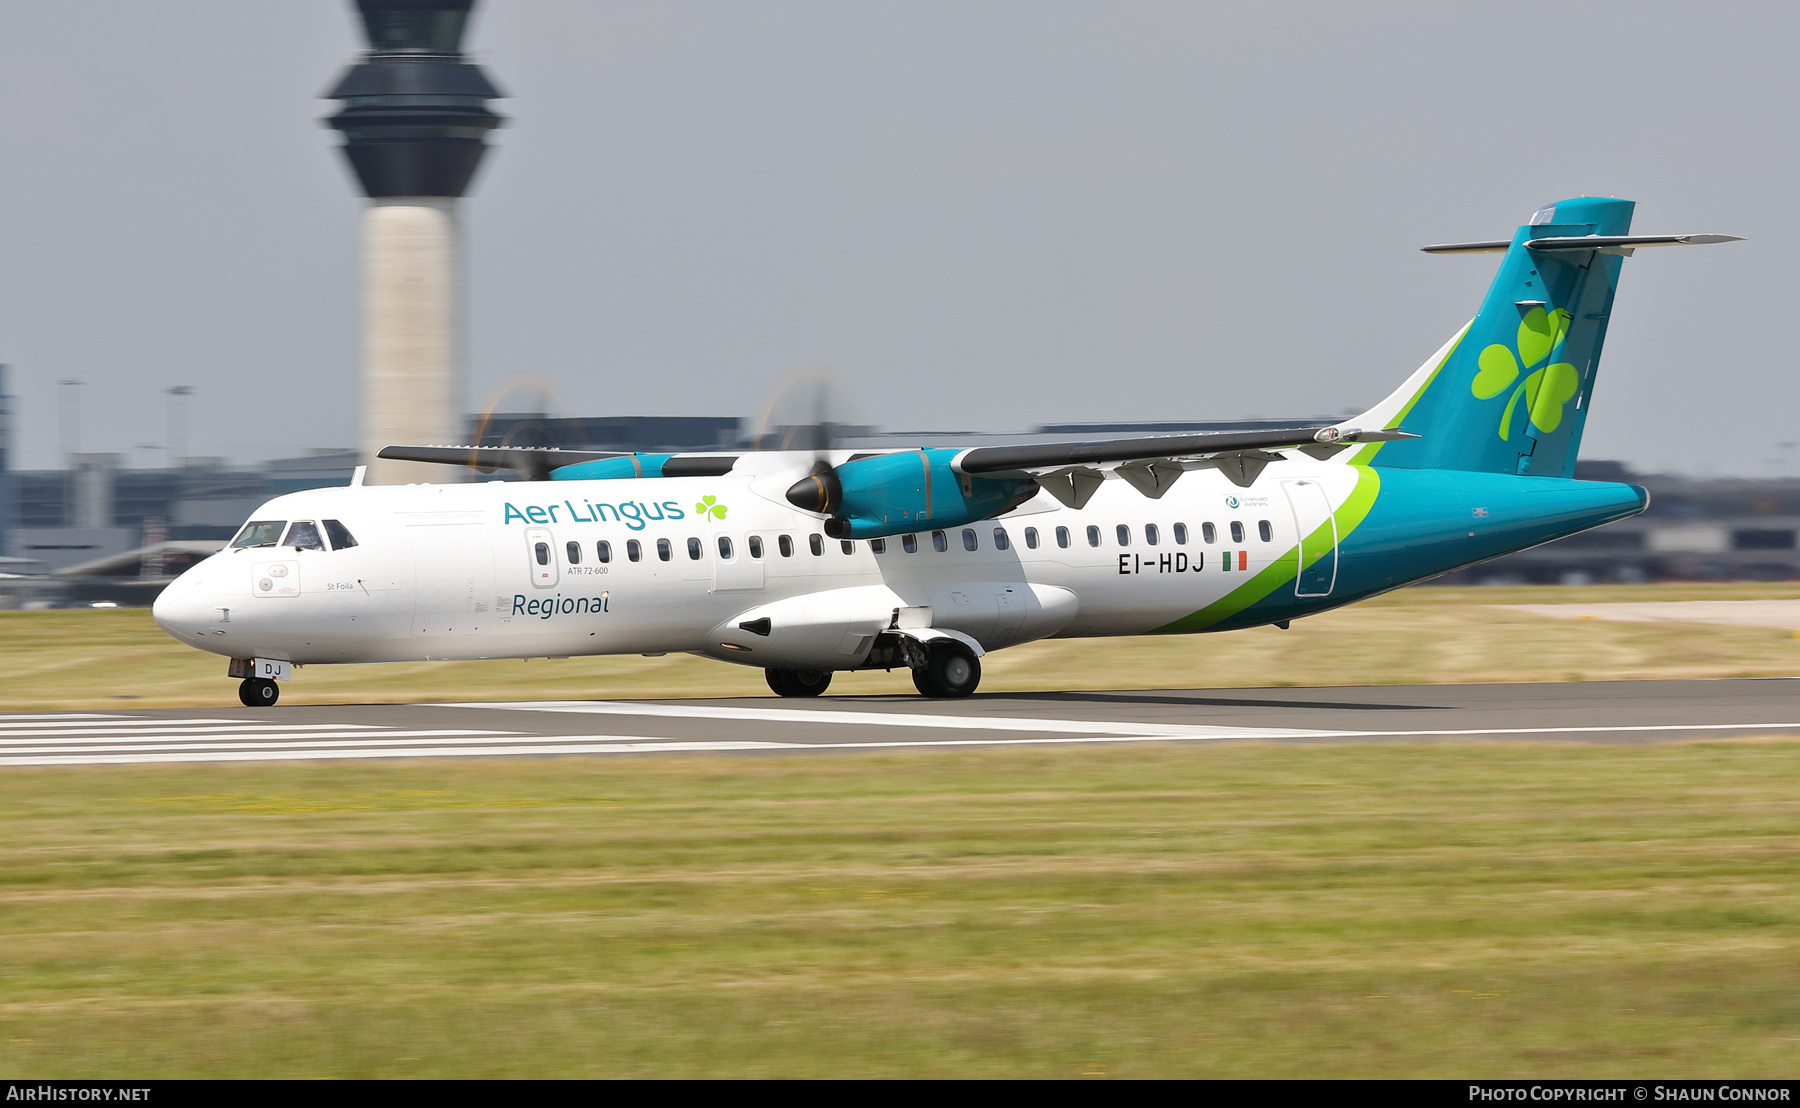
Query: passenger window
{"type": "Point", "coordinates": [970, 542]}
{"type": "Point", "coordinates": [1263, 529]}
{"type": "Point", "coordinates": [694, 550]}
{"type": "Point", "coordinates": [1031, 538]}
{"type": "Point", "coordinates": [940, 542]}
{"type": "Point", "coordinates": [909, 543]}
{"type": "Point", "coordinates": [817, 544]}
{"type": "Point", "coordinates": [1062, 537]}
{"type": "Point", "coordinates": [1001, 542]}
{"type": "Point", "coordinates": [1181, 534]}
{"type": "Point", "coordinates": [304, 535]}
{"type": "Point", "coordinates": [1093, 536]}
{"type": "Point", "coordinates": [259, 532]}
{"type": "Point", "coordinates": [879, 546]}
{"type": "Point", "coordinates": [574, 552]}
{"type": "Point", "coordinates": [1150, 534]}
{"type": "Point", "coordinates": [1237, 531]}
{"type": "Point", "coordinates": [755, 544]}
{"type": "Point", "coordinates": [635, 551]}
{"type": "Point", "coordinates": [724, 548]}
{"type": "Point", "coordinates": [603, 551]}
{"type": "Point", "coordinates": [340, 536]}
{"type": "Point", "coordinates": [542, 550]}
{"type": "Point", "coordinates": [1209, 533]}
{"type": "Point", "coordinates": [663, 550]}
{"type": "Point", "coordinates": [1123, 533]}
{"type": "Point", "coordinates": [786, 545]}
{"type": "Point", "coordinates": [849, 547]}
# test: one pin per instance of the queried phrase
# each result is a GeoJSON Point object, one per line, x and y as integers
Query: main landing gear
{"type": "Point", "coordinates": [798, 682]}
{"type": "Point", "coordinates": [259, 692]}
{"type": "Point", "coordinates": [950, 670]}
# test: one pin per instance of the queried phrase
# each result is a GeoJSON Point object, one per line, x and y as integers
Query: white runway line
{"type": "Point", "coordinates": [585, 747]}
{"type": "Point", "coordinates": [825, 717]}
{"type": "Point", "coordinates": [82, 739]}
{"type": "Point", "coordinates": [38, 741]}
{"type": "Point", "coordinates": [81, 733]}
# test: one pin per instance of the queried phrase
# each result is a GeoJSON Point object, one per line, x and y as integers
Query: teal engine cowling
{"type": "Point", "coordinates": [875, 495]}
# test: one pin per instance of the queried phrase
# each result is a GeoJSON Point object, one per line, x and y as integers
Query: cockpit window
{"type": "Point", "coordinates": [339, 535]}
{"type": "Point", "coordinates": [304, 535]}
{"type": "Point", "coordinates": [259, 532]}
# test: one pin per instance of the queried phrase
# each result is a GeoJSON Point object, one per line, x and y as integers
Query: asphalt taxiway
{"type": "Point", "coordinates": [1606, 711]}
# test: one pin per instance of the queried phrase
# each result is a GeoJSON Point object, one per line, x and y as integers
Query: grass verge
{"type": "Point", "coordinates": [1181, 910]}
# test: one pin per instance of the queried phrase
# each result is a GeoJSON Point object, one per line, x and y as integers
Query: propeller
{"type": "Point", "coordinates": [811, 412]}
{"type": "Point", "coordinates": [528, 402]}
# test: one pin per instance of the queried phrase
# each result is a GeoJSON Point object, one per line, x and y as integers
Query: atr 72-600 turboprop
{"type": "Point", "coordinates": [806, 563]}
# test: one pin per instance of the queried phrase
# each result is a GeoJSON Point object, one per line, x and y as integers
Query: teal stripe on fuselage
{"type": "Point", "coordinates": [1427, 522]}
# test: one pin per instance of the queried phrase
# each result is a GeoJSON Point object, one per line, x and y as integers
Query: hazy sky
{"type": "Point", "coordinates": [981, 215]}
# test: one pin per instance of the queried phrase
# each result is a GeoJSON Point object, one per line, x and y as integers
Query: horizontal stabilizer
{"type": "Point", "coordinates": [1499, 246]}
{"type": "Point", "coordinates": [1581, 242]}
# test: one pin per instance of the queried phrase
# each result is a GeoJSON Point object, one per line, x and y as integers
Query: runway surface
{"type": "Point", "coordinates": [1609, 711]}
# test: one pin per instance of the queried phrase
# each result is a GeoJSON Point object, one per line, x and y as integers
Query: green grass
{"type": "Point", "coordinates": [1448, 910]}
{"type": "Point", "coordinates": [116, 658]}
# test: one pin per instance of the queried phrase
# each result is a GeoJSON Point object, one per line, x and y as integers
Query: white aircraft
{"type": "Point", "coordinates": [805, 564]}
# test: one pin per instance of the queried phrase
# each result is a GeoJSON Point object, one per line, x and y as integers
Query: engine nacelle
{"type": "Point", "coordinates": [878, 495]}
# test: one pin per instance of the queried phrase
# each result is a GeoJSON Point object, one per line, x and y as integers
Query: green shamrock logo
{"type": "Point", "coordinates": [1541, 334]}
{"type": "Point", "coordinates": [710, 506]}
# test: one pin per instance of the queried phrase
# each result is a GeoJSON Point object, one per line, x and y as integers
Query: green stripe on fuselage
{"type": "Point", "coordinates": [1287, 567]}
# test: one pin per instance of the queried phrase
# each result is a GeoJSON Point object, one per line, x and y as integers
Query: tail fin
{"type": "Point", "coordinates": [1510, 393]}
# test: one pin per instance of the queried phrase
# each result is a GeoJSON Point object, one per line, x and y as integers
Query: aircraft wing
{"type": "Point", "coordinates": [1072, 471]}
{"type": "Point", "coordinates": [532, 462]}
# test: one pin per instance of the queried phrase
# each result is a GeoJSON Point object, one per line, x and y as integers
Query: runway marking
{"type": "Point", "coordinates": [90, 732]}
{"type": "Point", "coordinates": [88, 739]}
{"type": "Point", "coordinates": [897, 719]}
{"type": "Point", "coordinates": [142, 740]}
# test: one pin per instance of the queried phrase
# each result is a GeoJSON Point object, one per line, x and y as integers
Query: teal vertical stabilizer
{"type": "Point", "coordinates": [1511, 394]}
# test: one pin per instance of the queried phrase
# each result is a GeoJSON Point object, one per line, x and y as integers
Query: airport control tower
{"type": "Point", "coordinates": [415, 123]}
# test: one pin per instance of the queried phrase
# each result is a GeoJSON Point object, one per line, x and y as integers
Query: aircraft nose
{"type": "Point", "coordinates": [183, 609]}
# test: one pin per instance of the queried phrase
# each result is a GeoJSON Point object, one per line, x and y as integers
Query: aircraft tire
{"type": "Point", "coordinates": [951, 671]}
{"type": "Point", "coordinates": [798, 682]}
{"type": "Point", "coordinates": [259, 692]}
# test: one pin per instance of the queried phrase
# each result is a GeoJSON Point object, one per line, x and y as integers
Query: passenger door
{"type": "Point", "coordinates": [540, 551]}
{"type": "Point", "coordinates": [1317, 544]}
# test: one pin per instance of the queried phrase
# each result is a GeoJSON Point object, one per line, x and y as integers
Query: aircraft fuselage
{"type": "Point", "coordinates": [557, 568]}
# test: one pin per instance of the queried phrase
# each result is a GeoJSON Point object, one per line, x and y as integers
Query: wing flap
{"type": "Point", "coordinates": [1038, 457]}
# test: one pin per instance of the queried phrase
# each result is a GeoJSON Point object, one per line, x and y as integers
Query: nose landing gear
{"type": "Point", "coordinates": [259, 692]}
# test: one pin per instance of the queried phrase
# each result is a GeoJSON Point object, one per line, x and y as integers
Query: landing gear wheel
{"type": "Point", "coordinates": [798, 682]}
{"type": "Point", "coordinates": [259, 692]}
{"type": "Point", "coordinates": [951, 671]}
